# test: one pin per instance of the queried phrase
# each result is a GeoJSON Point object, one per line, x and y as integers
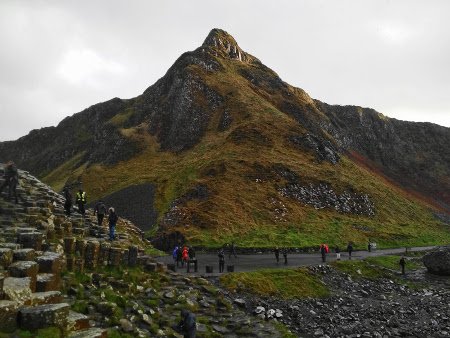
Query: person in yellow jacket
{"type": "Point", "coordinates": [81, 201]}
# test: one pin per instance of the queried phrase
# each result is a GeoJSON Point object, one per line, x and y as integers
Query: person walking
{"type": "Point", "coordinates": [80, 200]}
{"type": "Point", "coordinates": [221, 260]}
{"type": "Point", "coordinates": [285, 256]}
{"type": "Point", "coordinates": [338, 253]}
{"type": "Point", "coordinates": [112, 219]}
{"type": "Point", "coordinates": [369, 247]}
{"type": "Point", "coordinates": [402, 263]}
{"type": "Point", "coordinates": [68, 201]}
{"type": "Point", "coordinates": [100, 211]}
{"type": "Point", "coordinates": [277, 254]}
{"type": "Point", "coordinates": [185, 256]}
{"type": "Point", "coordinates": [174, 255]}
{"type": "Point", "coordinates": [232, 251]}
{"type": "Point", "coordinates": [323, 252]}
{"type": "Point", "coordinates": [350, 250]}
{"type": "Point", "coordinates": [11, 176]}
{"type": "Point", "coordinates": [179, 256]}
{"type": "Point", "coordinates": [187, 326]}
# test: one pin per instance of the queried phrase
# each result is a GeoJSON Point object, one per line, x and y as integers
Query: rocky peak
{"type": "Point", "coordinates": [223, 44]}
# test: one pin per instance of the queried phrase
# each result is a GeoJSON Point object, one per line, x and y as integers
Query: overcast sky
{"type": "Point", "coordinates": [60, 57]}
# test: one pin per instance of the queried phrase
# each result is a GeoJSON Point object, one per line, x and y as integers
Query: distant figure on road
{"type": "Point", "coordinates": [221, 260]}
{"type": "Point", "coordinates": [402, 263]}
{"type": "Point", "coordinates": [277, 254]}
{"type": "Point", "coordinates": [179, 256]}
{"type": "Point", "coordinates": [323, 252]}
{"type": "Point", "coordinates": [191, 253]}
{"type": "Point", "coordinates": [100, 211]}
{"type": "Point", "coordinates": [338, 253]}
{"type": "Point", "coordinates": [68, 201]}
{"type": "Point", "coordinates": [11, 176]}
{"type": "Point", "coordinates": [369, 247]}
{"type": "Point", "coordinates": [187, 325]}
{"type": "Point", "coordinates": [185, 256]}
{"type": "Point", "coordinates": [285, 256]}
{"type": "Point", "coordinates": [80, 199]}
{"type": "Point", "coordinates": [350, 250]}
{"type": "Point", "coordinates": [175, 254]}
{"type": "Point", "coordinates": [232, 251]}
{"type": "Point", "coordinates": [112, 219]}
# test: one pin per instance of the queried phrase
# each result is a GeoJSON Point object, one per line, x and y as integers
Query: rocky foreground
{"type": "Point", "coordinates": [392, 306]}
{"type": "Point", "coordinates": [61, 277]}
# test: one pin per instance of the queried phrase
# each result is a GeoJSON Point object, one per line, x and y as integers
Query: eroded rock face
{"type": "Point", "coordinates": [438, 261]}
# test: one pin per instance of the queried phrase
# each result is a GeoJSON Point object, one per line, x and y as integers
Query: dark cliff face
{"type": "Point", "coordinates": [87, 133]}
{"type": "Point", "coordinates": [181, 107]}
{"type": "Point", "coordinates": [416, 155]}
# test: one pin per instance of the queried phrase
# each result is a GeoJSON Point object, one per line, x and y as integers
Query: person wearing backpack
{"type": "Point", "coordinates": [323, 251]}
{"type": "Point", "coordinates": [80, 199]}
{"type": "Point", "coordinates": [68, 201]}
{"type": "Point", "coordinates": [112, 219]}
{"type": "Point", "coordinates": [100, 211]}
{"type": "Point", "coordinates": [188, 324]}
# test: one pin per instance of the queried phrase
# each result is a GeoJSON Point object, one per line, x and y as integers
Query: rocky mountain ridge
{"type": "Point", "coordinates": [219, 114]}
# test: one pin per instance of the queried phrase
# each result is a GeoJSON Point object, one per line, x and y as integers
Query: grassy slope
{"type": "Point", "coordinates": [239, 208]}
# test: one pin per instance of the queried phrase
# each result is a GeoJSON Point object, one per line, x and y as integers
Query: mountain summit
{"type": "Point", "coordinates": [232, 152]}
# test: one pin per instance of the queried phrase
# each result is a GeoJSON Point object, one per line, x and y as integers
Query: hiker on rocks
{"type": "Point", "coordinates": [277, 254]}
{"type": "Point", "coordinates": [179, 256]}
{"type": "Point", "coordinates": [11, 176]}
{"type": "Point", "coordinates": [232, 251]}
{"type": "Point", "coordinates": [185, 256]}
{"type": "Point", "coordinates": [285, 256]}
{"type": "Point", "coordinates": [80, 200]}
{"type": "Point", "coordinates": [100, 211]}
{"type": "Point", "coordinates": [68, 201]}
{"type": "Point", "coordinates": [323, 252]}
{"type": "Point", "coordinates": [338, 253]}
{"type": "Point", "coordinates": [221, 260]}
{"type": "Point", "coordinates": [402, 263]}
{"type": "Point", "coordinates": [112, 219]}
{"type": "Point", "coordinates": [350, 250]}
{"type": "Point", "coordinates": [187, 325]}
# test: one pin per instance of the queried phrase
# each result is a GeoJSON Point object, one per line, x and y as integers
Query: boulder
{"type": "Point", "coordinates": [50, 262]}
{"type": "Point", "coordinates": [8, 315]}
{"type": "Point", "coordinates": [41, 316]}
{"type": "Point", "coordinates": [17, 289]}
{"type": "Point", "coordinates": [77, 321]}
{"type": "Point", "coordinates": [24, 254]}
{"type": "Point", "coordinates": [25, 269]}
{"type": "Point", "coordinates": [438, 261]}
{"type": "Point", "coordinates": [6, 257]}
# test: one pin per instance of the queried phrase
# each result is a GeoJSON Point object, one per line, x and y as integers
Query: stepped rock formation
{"type": "Point", "coordinates": [263, 153]}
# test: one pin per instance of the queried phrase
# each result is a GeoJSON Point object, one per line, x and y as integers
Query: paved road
{"type": "Point", "coordinates": [259, 261]}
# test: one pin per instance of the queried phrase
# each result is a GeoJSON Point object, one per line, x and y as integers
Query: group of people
{"type": "Point", "coordinates": [182, 255]}
{"type": "Point", "coordinates": [100, 210]}
{"type": "Point", "coordinates": [11, 180]}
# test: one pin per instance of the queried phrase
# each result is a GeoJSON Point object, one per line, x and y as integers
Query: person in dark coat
{"type": "Point", "coordinates": [323, 252]}
{"type": "Point", "coordinates": [402, 263]}
{"type": "Point", "coordinates": [188, 324]}
{"type": "Point", "coordinates": [112, 219]}
{"type": "Point", "coordinates": [277, 254]}
{"type": "Point", "coordinates": [285, 256]}
{"type": "Point", "coordinates": [11, 176]}
{"type": "Point", "coordinates": [350, 250]}
{"type": "Point", "coordinates": [179, 256]}
{"type": "Point", "coordinates": [232, 251]}
{"type": "Point", "coordinates": [100, 211]}
{"type": "Point", "coordinates": [68, 201]}
{"type": "Point", "coordinates": [221, 260]}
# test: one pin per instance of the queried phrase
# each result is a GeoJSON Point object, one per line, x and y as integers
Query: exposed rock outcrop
{"type": "Point", "coordinates": [438, 261]}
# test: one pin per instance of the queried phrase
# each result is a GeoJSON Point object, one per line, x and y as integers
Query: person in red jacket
{"type": "Point", "coordinates": [185, 256]}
